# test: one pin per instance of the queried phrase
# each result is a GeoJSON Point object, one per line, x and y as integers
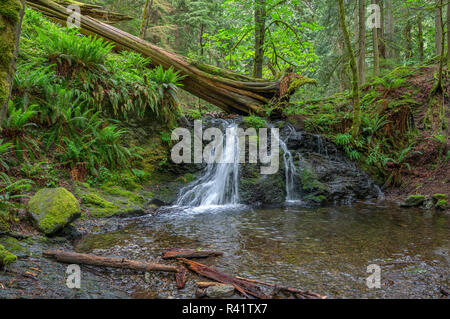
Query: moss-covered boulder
{"type": "Point", "coordinates": [442, 204]}
{"type": "Point", "coordinates": [51, 209]}
{"type": "Point", "coordinates": [414, 201]}
{"type": "Point", "coordinates": [438, 197]}
{"type": "Point", "coordinates": [110, 201]}
{"type": "Point", "coordinates": [6, 258]}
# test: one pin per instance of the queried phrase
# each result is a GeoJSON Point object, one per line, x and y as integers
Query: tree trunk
{"type": "Point", "coordinates": [145, 18]}
{"type": "Point", "coordinates": [376, 52]}
{"type": "Point", "coordinates": [362, 42]}
{"type": "Point", "coordinates": [9, 46]}
{"type": "Point", "coordinates": [381, 36]}
{"type": "Point", "coordinates": [420, 36]}
{"type": "Point", "coordinates": [260, 31]}
{"type": "Point", "coordinates": [230, 91]}
{"type": "Point", "coordinates": [407, 36]}
{"type": "Point", "coordinates": [355, 80]}
{"type": "Point", "coordinates": [438, 27]}
{"type": "Point", "coordinates": [84, 259]}
{"type": "Point", "coordinates": [389, 29]}
{"type": "Point", "coordinates": [448, 34]}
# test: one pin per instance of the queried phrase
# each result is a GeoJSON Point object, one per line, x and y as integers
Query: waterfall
{"type": "Point", "coordinates": [219, 184]}
{"type": "Point", "coordinates": [290, 169]}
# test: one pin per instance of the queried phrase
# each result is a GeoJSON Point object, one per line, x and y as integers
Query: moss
{"type": "Point", "coordinates": [310, 182]}
{"type": "Point", "coordinates": [51, 209]}
{"type": "Point", "coordinates": [10, 10]}
{"type": "Point", "coordinates": [118, 191]}
{"type": "Point", "coordinates": [442, 204]}
{"type": "Point", "coordinates": [316, 199]}
{"type": "Point", "coordinates": [14, 246]}
{"type": "Point", "coordinates": [438, 197]}
{"type": "Point", "coordinates": [6, 258]}
{"type": "Point", "coordinates": [100, 207]}
{"type": "Point", "coordinates": [414, 201]}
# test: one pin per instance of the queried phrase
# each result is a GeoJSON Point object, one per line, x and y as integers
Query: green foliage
{"type": "Point", "coordinates": [11, 190]}
{"type": "Point", "coordinates": [255, 121]}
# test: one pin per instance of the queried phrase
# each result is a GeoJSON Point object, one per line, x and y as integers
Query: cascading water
{"type": "Point", "coordinates": [219, 184]}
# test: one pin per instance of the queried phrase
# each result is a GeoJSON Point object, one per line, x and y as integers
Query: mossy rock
{"type": "Point", "coordinates": [15, 246]}
{"type": "Point", "coordinates": [414, 201]}
{"type": "Point", "coordinates": [442, 204]}
{"type": "Point", "coordinates": [6, 258]}
{"type": "Point", "coordinates": [51, 209]}
{"type": "Point", "coordinates": [438, 197]}
{"type": "Point", "coordinates": [109, 201]}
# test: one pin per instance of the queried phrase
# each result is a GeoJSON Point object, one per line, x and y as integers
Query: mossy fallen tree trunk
{"type": "Point", "coordinates": [232, 92]}
{"type": "Point", "coordinates": [11, 14]}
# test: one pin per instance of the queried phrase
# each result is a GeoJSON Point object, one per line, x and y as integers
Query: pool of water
{"type": "Point", "coordinates": [326, 250]}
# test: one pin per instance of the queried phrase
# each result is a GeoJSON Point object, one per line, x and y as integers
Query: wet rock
{"type": "Point", "coordinates": [442, 204]}
{"type": "Point", "coordinates": [413, 201]}
{"type": "Point", "coordinates": [51, 209]}
{"type": "Point", "coordinates": [222, 291]}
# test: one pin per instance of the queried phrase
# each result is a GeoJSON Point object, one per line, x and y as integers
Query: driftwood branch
{"type": "Point", "coordinates": [298, 293]}
{"type": "Point", "coordinates": [75, 258]}
{"type": "Point", "coordinates": [244, 287]}
{"type": "Point", "coordinates": [189, 253]}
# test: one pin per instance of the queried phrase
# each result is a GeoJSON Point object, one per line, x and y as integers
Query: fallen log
{"type": "Point", "coordinates": [76, 258]}
{"type": "Point", "coordinates": [232, 92]}
{"type": "Point", "coordinates": [298, 293]}
{"type": "Point", "coordinates": [245, 288]}
{"type": "Point", "coordinates": [189, 253]}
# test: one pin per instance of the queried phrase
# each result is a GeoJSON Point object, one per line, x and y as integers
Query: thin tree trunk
{"type": "Point", "coordinates": [9, 39]}
{"type": "Point", "coordinates": [362, 42]}
{"type": "Point", "coordinates": [420, 36]}
{"type": "Point", "coordinates": [448, 34]}
{"type": "Point", "coordinates": [145, 18]}
{"type": "Point", "coordinates": [201, 39]}
{"type": "Point", "coordinates": [260, 27]}
{"type": "Point", "coordinates": [389, 29]}
{"type": "Point", "coordinates": [381, 35]}
{"type": "Point", "coordinates": [438, 26]}
{"type": "Point", "coordinates": [407, 36]}
{"type": "Point", "coordinates": [376, 52]}
{"type": "Point", "coordinates": [355, 80]}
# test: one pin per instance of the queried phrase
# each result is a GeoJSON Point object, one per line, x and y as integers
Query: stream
{"type": "Point", "coordinates": [325, 249]}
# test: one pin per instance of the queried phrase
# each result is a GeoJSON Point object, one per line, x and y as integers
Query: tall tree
{"type": "Point", "coordinates": [11, 15]}
{"type": "Point", "coordinates": [407, 35]}
{"type": "Point", "coordinates": [420, 36]}
{"type": "Point", "coordinates": [448, 34]}
{"type": "Point", "coordinates": [260, 31]}
{"type": "Point", "coordinates": [362, 41]}
{"type": "Point", "coordinates": [376, 48]}
{"type": "Point", "coordinates": [355, 80]}
{"type": "Point", "coordinates": [389, 29]}
{"type": "Point", "coordinates": [145, 18]}
{"type": "Point", "coordinates": [438, 27]}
